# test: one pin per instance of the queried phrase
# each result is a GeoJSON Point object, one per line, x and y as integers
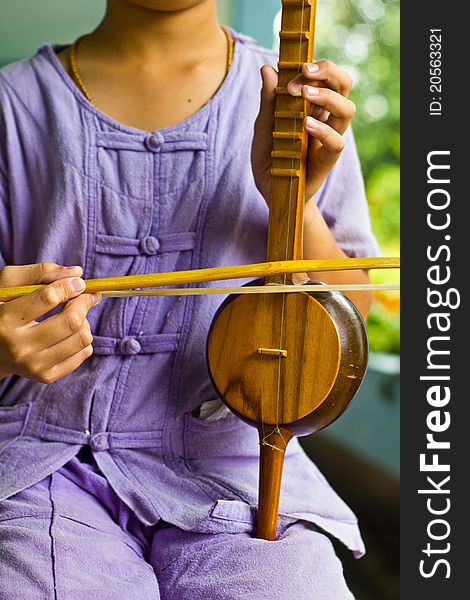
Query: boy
{"type": "Point", "coordinates": [127, 153]}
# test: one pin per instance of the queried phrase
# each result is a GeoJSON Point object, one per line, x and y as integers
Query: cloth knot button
{"type": "Point", "coordinates": [99, 442]}
{"type": "Point", "coordinates": [153, 142]}
{"type": "Point", "coordinates": [130, 346]}
{"type": "Point", "coordinates": [149, 245]}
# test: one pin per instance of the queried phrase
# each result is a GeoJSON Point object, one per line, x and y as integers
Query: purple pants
{"type": "Point", "coordinates": [69, 537]}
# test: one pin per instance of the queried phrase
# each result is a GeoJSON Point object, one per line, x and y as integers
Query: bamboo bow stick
{"type": "Point", "coordinates": [128, 282]}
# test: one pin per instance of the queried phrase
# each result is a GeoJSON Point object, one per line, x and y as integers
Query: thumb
{"type": "Point", "coordinates": [44, 272]}
{"type": "Point", "coordinates": [263, 133]}
{"type": "Point", "coordinates": [265, 118]}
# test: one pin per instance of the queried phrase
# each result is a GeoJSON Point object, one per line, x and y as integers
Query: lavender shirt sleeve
{"type": "Point", "coordinates": [343, 204]}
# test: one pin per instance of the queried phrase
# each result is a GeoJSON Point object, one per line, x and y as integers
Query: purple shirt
{"type": "Point", "coordinates": [76, 187]}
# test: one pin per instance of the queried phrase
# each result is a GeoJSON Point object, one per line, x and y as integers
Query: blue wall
{"type": "Point", "coordinates": [255, 18]}
{"type": "Point", "coordinates": [27, 24]}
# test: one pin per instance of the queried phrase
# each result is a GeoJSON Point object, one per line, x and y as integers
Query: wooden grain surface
{"type": "Point", "coordinates": [290, 140]}
{"type": "Point", "coordinates": [273, 445]}
{"type": "Point", "coordinates": [270, 389]}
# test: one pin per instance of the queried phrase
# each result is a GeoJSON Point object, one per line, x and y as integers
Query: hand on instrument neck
{"type": "Point", "coordinates": [334, 113]}
{"type": "Point", "coordinates": [326, 87]}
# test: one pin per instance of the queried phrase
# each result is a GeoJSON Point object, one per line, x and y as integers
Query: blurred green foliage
{"type": "Point", "coordinates": [363, 37]}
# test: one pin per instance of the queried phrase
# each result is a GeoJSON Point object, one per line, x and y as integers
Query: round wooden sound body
{"type": "Point", "coordinates": [291, 360]}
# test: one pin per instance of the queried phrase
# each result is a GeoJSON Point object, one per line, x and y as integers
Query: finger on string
{"type": "Point", "coordinates": [319, 113]}
{"type": "Point", "coordinates": [341, 110]}
{"type": "Point", "coordinates": [329, 75]}
{"type": "Point", "coordinates": [332, 141]}
{"type": "Point", "coordinates": [295, 85]}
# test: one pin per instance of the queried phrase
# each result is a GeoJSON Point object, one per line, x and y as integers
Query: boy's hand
{"type": "Point", "coordinates": [49, 350]}
{"type": "Point", "coordinates": [326, 87]}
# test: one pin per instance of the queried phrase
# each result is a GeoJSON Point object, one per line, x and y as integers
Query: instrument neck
{"type": "Point", "coordinates": [290, 140]}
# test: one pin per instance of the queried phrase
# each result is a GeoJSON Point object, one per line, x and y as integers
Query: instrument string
{"type": "Point", "coordinates": [276, 429]}
{"type": "Point", "coordinates": [288, 230]}
{"type": "Point", "coordinates": [263, 433]}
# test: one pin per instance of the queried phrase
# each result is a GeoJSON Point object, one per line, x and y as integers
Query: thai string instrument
{"type": "Point", "coordinates": [288, 364]}
{"type": "Point", "coordinates": [287, 359]}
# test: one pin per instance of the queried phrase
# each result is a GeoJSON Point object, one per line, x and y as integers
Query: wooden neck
{"type": "Point", "coordinates": [289, 136]}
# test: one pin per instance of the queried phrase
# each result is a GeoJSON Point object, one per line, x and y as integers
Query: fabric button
{"type": "Point", "coordinates": [153, 142]}
{"type": "Point", "coordinates": [149, 245]}
{"type": "Point", "coordinates": [99, 442]}
{"type": "Point", "coordinates": [130, 346]}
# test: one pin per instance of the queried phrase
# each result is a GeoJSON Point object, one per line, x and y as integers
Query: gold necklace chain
{"type": "Point", "coordinates": [83, 88]}
{"type": "Point", "coordinates": [230, 48]}
{"type": "Point", "coordinates": [76, 73]}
